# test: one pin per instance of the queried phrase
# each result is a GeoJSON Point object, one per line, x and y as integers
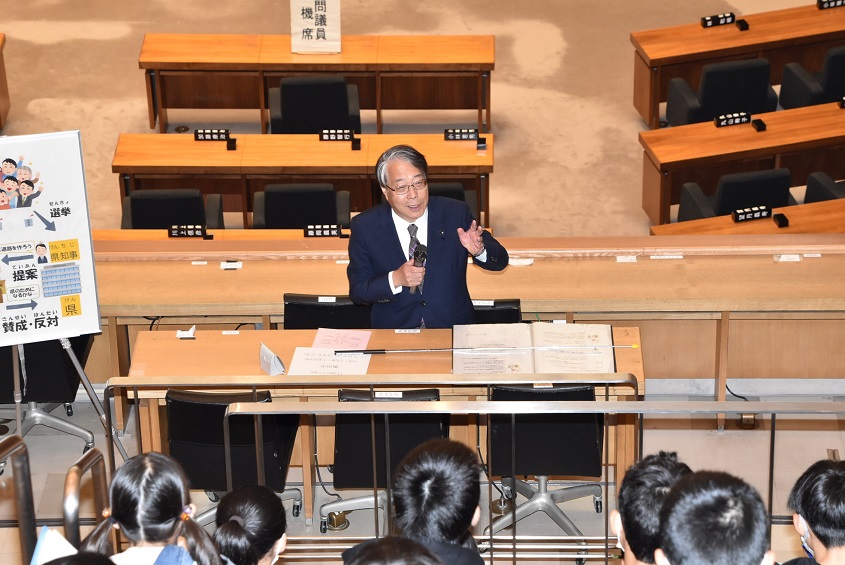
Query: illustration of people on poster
{"type": "Point", "coordinates": [47, 283]}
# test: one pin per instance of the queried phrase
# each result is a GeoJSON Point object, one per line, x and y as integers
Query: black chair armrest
{"type": "Point", "coordinates": [821, 187]}
{"type": "Point", "coordinates": [258, 219]}
{"type": "Point", "coordinates": [126, 214]}
{"type": "Point", "coordinates": [694, 203]}
{"type": "Point", "coordinates": [354, 107]}
{"type": "Point", "coordinates": [682, 105]}
{"type": "Point", "coordinates": [799, 88]}
{"type": "Point", "coordinates": [344, 208]}
{"type": "Point", "coordinates": [274, 102]}
{"type": "Point", "coordinates": [214, 212]}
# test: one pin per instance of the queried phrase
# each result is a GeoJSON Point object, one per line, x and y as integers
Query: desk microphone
{"type": "Point", "coordinates": [420, 254]}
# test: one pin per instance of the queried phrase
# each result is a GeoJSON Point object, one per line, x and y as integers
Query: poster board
{"type": "Point", "coordinates": [315, 26]}
{"type": "Point", "coordinates": [48, 288]}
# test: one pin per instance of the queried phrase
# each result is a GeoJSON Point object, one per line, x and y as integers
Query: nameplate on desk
{"type": "Point", "coordinates": [732, 119]}
{"type": "Point", "coordinates": [231, 265]}
{"type": "Point", "coordinates": [186, 231]}
{"type": "Point", "coordinates": [211, 135]}
{"type": "Point", "coordinates": [751, 213]}
{"type": "Point", "coordinates": [465, 134]}
{"type": "Point", "coordinates": [407, 331]}
{"type": "Point", "coordinates": [718, 20]}
{"type": "Point", "coordinates": [626, 258]}
{"type": "Point", "coordinates": [484, 303]}
{"type": "Point", "coordinates": [788, 258]}
{"type": "Point", "coordinates": [327, 299]}
{"type": "Point", "coordinates": [336, 135]}
{"type": "Point", "coordinates": [387, 394]}
{"type": "Point", "coordinates": [825, 4]}
{"type": "Point", "coordinates": [322, 230]}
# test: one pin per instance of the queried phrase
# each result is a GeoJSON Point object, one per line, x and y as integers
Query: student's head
{"type": "Point", "coordinates": [640, 497]}
{"type": "Point", "coordinates": [436, 490]}
{"type": "Point", "coordinates": [394, 550]}
{"type": "Point", "coordinates": [26, 187]}
{"type": "Point", "coordinates": [9, 165]}
{"type": "Point", "coordinates": [818, 503]}
{"type": "Point", "coordinates": [402, 172]}
{"type": "Point", "coordinates": [150, 504]}
{"type": "Point", "coordinates": [714, 518]}
{"type": "Point", "coordinates": [251, 526]}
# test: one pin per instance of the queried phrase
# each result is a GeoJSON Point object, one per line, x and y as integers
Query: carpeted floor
{"type": "Point", "coordinates": [567, 157]}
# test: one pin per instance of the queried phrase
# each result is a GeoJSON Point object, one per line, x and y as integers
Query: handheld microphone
{"type": "Point", "coordinates": [420, 254]}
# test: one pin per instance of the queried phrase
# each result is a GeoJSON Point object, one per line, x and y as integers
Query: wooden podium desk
{"type": "Point", "coordinates": [801, 34]}
{"type": "Point", "coordinates": [162, 359]}
{"type": "Point", "coordinates": [818, 217]}
{"type": "Point", "coordinates": [407, 72]}
{"type": "Point", "coordinates": [168, 161]}
{"type": "Point", "coordinates": [804, 140]}
{"type": "Point", "coordinates": [720, 307]}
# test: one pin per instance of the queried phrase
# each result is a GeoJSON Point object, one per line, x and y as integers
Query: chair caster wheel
{"type": "Point", "coordinates": [580, 562]}
{"type": "Point", "coordinates": [69, 409]}
{"type": "Point", "coordinates": [324, 527]}
{"type": "Point", "coordinates": [598, 507]}
{"type": "Point", "coordinates": [297, 508]}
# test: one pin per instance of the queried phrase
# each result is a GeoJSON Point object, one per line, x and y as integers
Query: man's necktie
{"type": "Point", "coordinates": [412, 229]}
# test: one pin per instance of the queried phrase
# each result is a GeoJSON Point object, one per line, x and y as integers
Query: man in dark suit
{"type": "Point", "coordinates": [381, 264]}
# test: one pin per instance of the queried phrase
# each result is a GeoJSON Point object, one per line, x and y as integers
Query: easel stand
{"type": "Point", "coordinates": [37, 415]}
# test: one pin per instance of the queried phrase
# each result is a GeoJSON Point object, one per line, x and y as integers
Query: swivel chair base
{"type": "Point", "coordinates": [348, 505]}
{"type": "Point", "coordinates": [540, 499]}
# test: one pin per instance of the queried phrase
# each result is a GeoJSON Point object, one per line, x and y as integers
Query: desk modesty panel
{"type": "Point", "coordinates": [391, 72]}
{"type": "Point", "coordinates": [801, 34]}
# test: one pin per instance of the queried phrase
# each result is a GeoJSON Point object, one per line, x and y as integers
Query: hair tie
{"type": "Point", "coordinates": [237, 519]}
{"type": "Point", "coordinates": [187, 513]}
{"type": "Point", "coordinates": [106, 513]}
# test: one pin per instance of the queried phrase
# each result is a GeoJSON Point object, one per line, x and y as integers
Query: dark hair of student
{"type": "Point", "coordinates": [149, 500]}
{"type": "Point", "coordinates": [83, 558]}
{"type": "Point", "coordinates": [643, 489]}
{"type": "Point", "coordinates": [250, 520]}
{"type": "Point", "coordinates": [715, 518]}
{"type": "Point", "coordinates": [436, 490]}
{"type": "Point", "coordinates": [819, 497]}
{"type": "Point", "coordinates": [394, 550]}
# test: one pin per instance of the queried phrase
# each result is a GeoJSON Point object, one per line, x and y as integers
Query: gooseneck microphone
{"type": "Point", "coordinates": [420, 254]}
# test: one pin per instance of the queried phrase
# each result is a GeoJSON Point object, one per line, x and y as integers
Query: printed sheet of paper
{"type": "Point", "coordinates": [491, 348]}
{"type": "Point", "coordinates": [584, 348]}
{"type": "Point", "coordinates": [341, 339]}
{"type": "Point", "coordinates": [313, 361]}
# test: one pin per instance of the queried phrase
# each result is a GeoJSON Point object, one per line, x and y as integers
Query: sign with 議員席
{"type": "Point", "coordinates": [48, 289]}
{"type": "Point", "coordinates": [315, 26]}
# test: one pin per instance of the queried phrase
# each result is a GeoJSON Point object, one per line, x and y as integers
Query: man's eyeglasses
{"type": "Point", "coordinates": [417, 185]}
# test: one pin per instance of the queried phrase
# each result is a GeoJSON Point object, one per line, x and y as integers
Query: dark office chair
{"type": "Point", "coordinates": [559, 444]}
{"type": "Point", "coordinates": [733, 86]}
{"type": "Point", "coordinates": [312, 104]}
{"type": "Point", "coordinates": [295, 206]}
{"type": "Point", "coordinates": [502, 311]}
{"type": "Point", "coordinates": [802, 88]}
{"type": "Point", "coordinates": [162, 208]}
{"type": "Point", "coordinates": [353, 463]}
{"type": "Point", "coordinates": [821, 186]}
{"type": "Point", "coordinates": [736, 191]}
{"type": "Point", "coordinates": [311, 311]}
{"type": "Point", "coordinates": [195, 438]}
{"type": "Point", "coordinates": [52, 379]}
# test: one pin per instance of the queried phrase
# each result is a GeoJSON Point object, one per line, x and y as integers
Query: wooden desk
{"type": "Point", "coordinates": [800, 34]}
{"type": "Point", "coordinates": [804, 140]}
{"type": "Point", "coordinates": [818, 217]}
{"type": "Point", "coordinates": [5, 102]}
{"type": "Point", "coordinates": [724, 309]}
{"type": "Point", "coordinates": [392, 72]}
{"type": "Point", "coordinates": [215, 356]}
{"type": "Point", "coordinates": [170, 161]}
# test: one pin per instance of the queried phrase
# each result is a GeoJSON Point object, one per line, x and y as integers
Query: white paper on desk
{"type": "Point", "coordinates": [313, 361]}
{"type": "Point", "coordinates": [270, 362]}
{"type": "Point", "coordinates": [341, 339]}
{"type": "Point", "coordinates": [51, 545]}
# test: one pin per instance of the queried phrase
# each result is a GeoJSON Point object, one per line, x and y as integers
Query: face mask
{"type": "Point", "coordinates": [805, 537]}
{"type": "Point", "coordinates": [619, 544]}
